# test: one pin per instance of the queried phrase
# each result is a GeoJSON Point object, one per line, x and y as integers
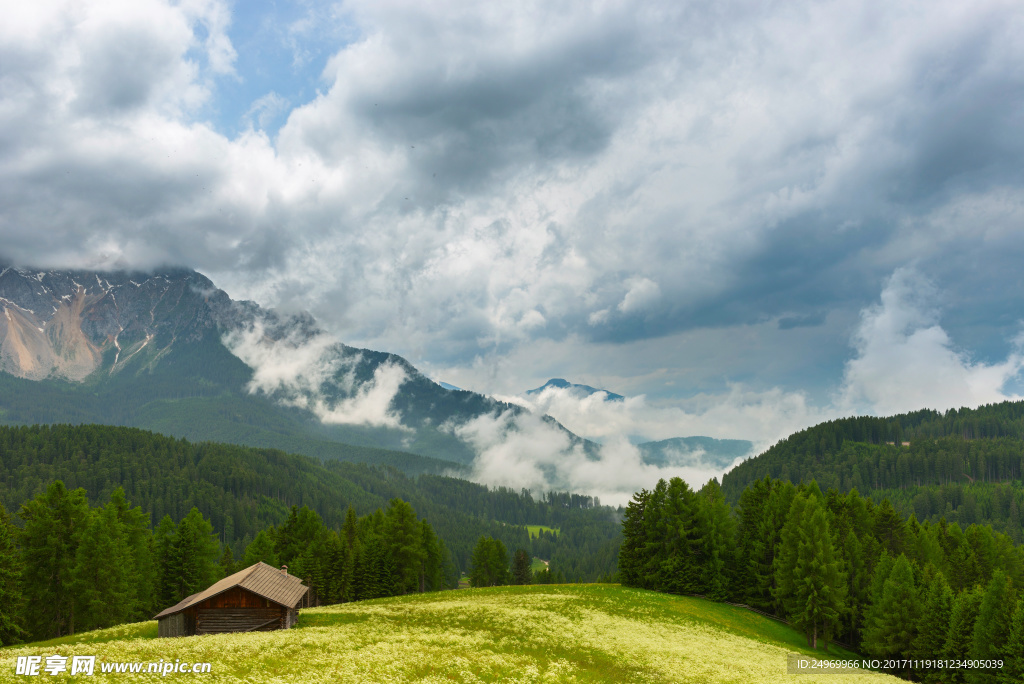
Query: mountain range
{"type": "Point", "coordinates": [170, 352]}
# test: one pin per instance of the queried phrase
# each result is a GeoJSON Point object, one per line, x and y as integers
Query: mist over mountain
{"type": "Point", "coordinates": [581, 390]}
{"type": "Point", "coordinates": [196, 364]}
{"type": "Point", "coordinates": [171, 352]}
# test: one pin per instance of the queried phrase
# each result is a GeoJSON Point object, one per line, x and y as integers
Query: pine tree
{"type": "Point", "coordinates": [104, 573]}
{"type": "Point", "coordinates": [631, 552]}
{"type": "Point", "coordinates": [163, 546]}
{"type": "Point", "coordinates": [54, 523]}
{"type": "Point", "coordinates": [992, 626]}
{"type": "Point", "coordinates": [138, 537]}
{"type": "Point", "coordinates": [261, 549]}
{"type": "Point", "coordinates": [787, 556]}
{"type": "Point", "coordinates": [934, 625]}
{"type": "Point", "coordinates": [433, 559]}
{"type": "Point", "coordinates": [891, 629]}
{"type": "Point", "coordinates": [820, 590]}
{"type": "Point", "coordinates": [1014, 648]}
{"type": "Point", "coordinates": [11, 631]}
{"type": "Point", "coordinates": [489, 564]}
{"type": "Point", "coordinates": [193, 558]}
{"type": "Point", "coordinates": [226, 566]}
{"type": "Point", "coordinates": [404, 537]}
{"type": "Point", "coordinates": [716, 530]}
{"type": "Point", "coordinates": [521, 563]}
{"type": "Point", "coordinates": [961, 630]}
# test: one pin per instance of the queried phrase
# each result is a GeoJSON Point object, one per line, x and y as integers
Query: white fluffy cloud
{"type": "Point", "coordinates": [906, 361]}
{"type": "Point", "coordinates": [528, 451]}
{"type": "Point", "coordinates": [307, 371]}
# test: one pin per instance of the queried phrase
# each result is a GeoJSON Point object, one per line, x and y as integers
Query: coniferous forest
{"type": "Point", "coordinates": [176, 516]}
{"type": "Point", "coordinates": [839, 568]}
{"type": "Point", "coordinates": [74, 568]}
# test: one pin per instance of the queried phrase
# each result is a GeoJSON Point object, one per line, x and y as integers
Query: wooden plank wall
{"type": "Point", "coordinates": [171, 626]}
{"type": "Point", "coordinates": [219, 620]}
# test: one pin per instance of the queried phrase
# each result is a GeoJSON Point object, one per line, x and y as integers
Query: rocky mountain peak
{"type": "Point", "coordinates": [64, 323]}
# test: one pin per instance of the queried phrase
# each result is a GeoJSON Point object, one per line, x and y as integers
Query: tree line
{"type": "Point", "coordinates": [242, 490]}
{"type": "Point", "coordinates": [838, 567]}
{"type": "Point", "coordinates": [72, 568]}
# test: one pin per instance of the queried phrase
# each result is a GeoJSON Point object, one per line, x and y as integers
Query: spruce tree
{"type": "Point", "coordinates": [892, 627]}
{"type": "Point", "coordinates": [716, 530]}
{"type": "Point", "coordinates": [992, 627]}
{"type": "Point", "coordinates": [820, 587]}
{"type": "Point", "coordinates": [261, 549]}
{"type": "Point", "coordinates": [961, 631]}
{"type": "Point", "coordinates": [521, 563]}
{"type": "Point", "coordinates": [193, 558]}
{"type": "Point", "coordinates": [1013, 670]}
{"type": "Point", "coordinates": [139, 538]}
{"type": "Point", "coordinates": [632, 557]}
{"type": "Point", "coordinates": [54, 523]}
{"type": "Point", "coordinates": [433, 559]}
{"type": "Point", "coordinates": [934, 625]}
{"type": "Point", "coordinates": [11, 631]}
{"type": "Point", "coordinates": [786, 558]}
{"type": "Point", "coordinates": [404, 537]}
{"type": "Point", "coordinates": [163, 545]}
{"type": "Point", "coordinates": [104, 575]}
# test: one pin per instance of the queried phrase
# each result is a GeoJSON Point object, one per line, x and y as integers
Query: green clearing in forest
{"type": "Point", "coordinates": [534, 530]}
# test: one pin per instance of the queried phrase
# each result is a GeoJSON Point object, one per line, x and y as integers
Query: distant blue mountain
{"type": "Point", "coordinates": [694, 451]}
{"type": "Point", "coordinates": [448, 386]}
{"type": "Point", "coordinates": [585, 390]}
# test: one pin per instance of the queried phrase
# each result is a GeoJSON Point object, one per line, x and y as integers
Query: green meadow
{"type": "Point", "coordinates": [534, 530]}
{"type": "Point", "coordinates": [540, 633]}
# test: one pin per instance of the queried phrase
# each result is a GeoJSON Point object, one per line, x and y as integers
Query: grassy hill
{"type": "Point", "coordinates": [547, 633]}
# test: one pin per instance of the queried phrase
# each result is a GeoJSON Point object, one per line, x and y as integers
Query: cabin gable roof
{"type": "Point", "coordinates": [261, 579]}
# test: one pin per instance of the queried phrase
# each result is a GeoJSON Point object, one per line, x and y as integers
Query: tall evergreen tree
{"type": "Point", "coordinates": [11, 631]}
{"type": "Point", "coordinates": [992, 626]}
{"type": "Point", "coordinates": [820, 590]}
{"type": "Point", "coordinates": [194, 553]}
{"type": "Point", "coordinates": [961, 631]}
{"type": "Point", "coordinates": [521, 563]}
{"type": "Point", "coordinates": [892, 627]}
{"type": "Point", "coordinates": [431, 576]}
{"type": "Point", "coordinates": [716, 531]}
{"type": "Point", "coordinates": [934, 625]}
{"type": "Point", "coordinates": [163, 550]}
{"type": "Point", "coordinates": [404, 537]}
{"type": "Point", "coordinates": [105, 579]}
{"type": "Point", "coordinates": [489, 564]}
{"type": "Point", "coordinates": [139, 539]}
{"type": "Point", "coordinates": [54, 523]}
{"type": "Point", "coordinates": [1014, 648]}
{"type": "Point", "coordinates": [261, 549]}
{"type": "Point", "coordinates": [632, 558]}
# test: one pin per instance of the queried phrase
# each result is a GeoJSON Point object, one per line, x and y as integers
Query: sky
{"type": "Point", "coordinates": [746, 217]}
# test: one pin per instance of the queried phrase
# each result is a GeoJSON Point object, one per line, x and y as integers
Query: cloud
{"type": "Point", "coordinates": [525, 451]}
{"type": "Point", "coordinates": [906, 361]}
{"type": "Point", "coordinates": [266, 109]}
{"type": "Point", "coordinates": [644, 190]}
{"type": "Point", "coordinates": [310, 371]}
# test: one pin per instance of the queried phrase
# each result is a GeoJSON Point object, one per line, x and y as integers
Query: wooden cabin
{"type": "Point", "coordinates": [259, 598]}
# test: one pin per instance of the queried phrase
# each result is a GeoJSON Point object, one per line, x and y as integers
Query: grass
{"type": "Point", "coordinates": [534, 530]}
{"type": "Point", "coordinates": [545, 633]}
{"type": "Point", "coordinates": [538, 564]}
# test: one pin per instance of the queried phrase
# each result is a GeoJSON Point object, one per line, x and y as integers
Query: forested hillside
{"type": "Point", "coordinates": [838, 567]}
{"type": "Point", "coordinates": [965, 465]}
{"type": "Point", "coordinates": [243, 490]}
